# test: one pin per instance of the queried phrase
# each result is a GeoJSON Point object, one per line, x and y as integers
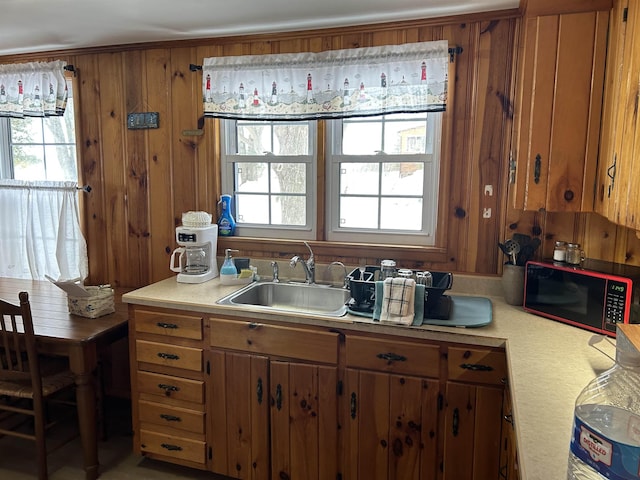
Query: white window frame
{"type": "Point", "coordinates": [431, 181]}
{"type": "Point", "coordinates": [229, 158]}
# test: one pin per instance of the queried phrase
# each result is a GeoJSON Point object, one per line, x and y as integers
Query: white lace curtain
{"type": "Point", "coordinates": [411, 77]}
{"type": "Point", "coordinates": [40, 231]}
{"type": "Point", "coordinates": [35, 89]}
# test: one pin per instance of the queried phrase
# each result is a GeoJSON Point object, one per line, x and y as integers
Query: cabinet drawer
{"type": "Point", "coordinates": [169, 416]}
{"type": "Point", "coordinates": [481, 365]}
{"type": "Point", "coordinates": [298, 343]}
{"type": "Point", "coordinates": [166, 386]}
{"type": "Point", "coordinates": [172, 446]}
{"type": "Point", "coordinates": [169, 324]}
{"type": "Point", "coordinates": [393, 356]}
{"type": "Point", "coordinates": [169, 355]}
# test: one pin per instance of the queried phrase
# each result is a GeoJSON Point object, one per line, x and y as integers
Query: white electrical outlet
{"type": "Point", "coordinates": [486, 213]}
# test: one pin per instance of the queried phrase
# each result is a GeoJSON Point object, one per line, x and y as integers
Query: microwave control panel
{"type": "Point", "coordinates": [615, 301]}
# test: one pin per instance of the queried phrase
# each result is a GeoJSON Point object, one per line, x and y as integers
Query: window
{"type": "Point", "coordinates": [381, 186]}
{"type": "Point", "coordinates": [33, 148]}
{"type": "Point", "coordinates": [383, 175]}
{"type": "Point", "coordinates": [269, 167]}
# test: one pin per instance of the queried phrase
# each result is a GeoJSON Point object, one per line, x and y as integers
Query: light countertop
{"type": "Point", "coordinates": [549, 362]}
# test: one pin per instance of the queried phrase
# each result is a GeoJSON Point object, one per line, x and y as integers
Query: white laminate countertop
{"type": "Point", "coordinates": [549, 362]}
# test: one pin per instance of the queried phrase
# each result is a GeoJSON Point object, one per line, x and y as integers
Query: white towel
{"type": "Point", "coordinates": [398, 300]}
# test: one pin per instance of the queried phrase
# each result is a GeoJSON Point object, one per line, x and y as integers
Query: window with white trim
{"type": "Point", "coordinates": [39, 148]}
{"type": "Point", "coordinates": [382, 178]}
{"type": "Point", "coordinates": [270, 170]}
{"type": "Point", "coordinates": [381, 184]}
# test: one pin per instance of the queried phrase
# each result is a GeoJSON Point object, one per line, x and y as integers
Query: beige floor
{"type": "Point", "coordinates": [117, 462]}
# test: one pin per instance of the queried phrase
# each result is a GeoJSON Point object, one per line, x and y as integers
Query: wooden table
{"type": "Point", "coordinates": [77, 338]}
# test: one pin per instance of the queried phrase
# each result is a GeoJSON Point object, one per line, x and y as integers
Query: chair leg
{"type": "Point", "coordinates": [41, 447]}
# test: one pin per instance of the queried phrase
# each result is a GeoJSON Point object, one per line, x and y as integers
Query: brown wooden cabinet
{"type": "Point", "coordinates": [273, 401]}
{"type": "Point", "coordinates": [617, 196]}
{"type": "Point", "coordinates": [560, 68]}
{"type": "Point", "coordinates": [262, 401]}
{"type": "Point", "coordinates": [168, 400]}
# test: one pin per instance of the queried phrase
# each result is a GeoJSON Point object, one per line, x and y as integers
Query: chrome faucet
{"type": "Point", "coordinates": [345, 280]}
{"type": "Point", "coordinates": [309, 265]}
{"type": "Point", "coordinates": [276, 279]}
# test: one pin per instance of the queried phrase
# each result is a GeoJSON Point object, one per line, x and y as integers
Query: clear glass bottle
{"type": "Point", "coordinates": [560, 251]}
{"type": "Point", "coordinates": [575, 255]}
{"type": "Point", "coordinates": [387, 269]}
{"type": "Point", "coordinates": [606, 431]}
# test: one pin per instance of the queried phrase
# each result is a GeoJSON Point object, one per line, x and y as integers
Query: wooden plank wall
{"type": "Point", "coordinates": [143, 180]}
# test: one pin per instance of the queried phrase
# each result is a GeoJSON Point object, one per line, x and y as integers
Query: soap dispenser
{"type": "Point", "coordinates": [228, 272]}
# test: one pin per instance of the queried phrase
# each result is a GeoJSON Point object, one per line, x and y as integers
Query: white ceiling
{"type": "Point", "coordinates": [45, 25]}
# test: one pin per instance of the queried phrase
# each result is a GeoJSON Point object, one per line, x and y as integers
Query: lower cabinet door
{"type": "Point", "coordinates": [472, 432]}
{"type": "Point", "coordinates": [238, 412]}
{"type": "Point", "coordinates": [392, 425]}
{"type": "Point", "coordinates": [304, 421]}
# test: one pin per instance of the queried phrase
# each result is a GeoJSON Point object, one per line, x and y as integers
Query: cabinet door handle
{"type": "Point", "coordinates": [509, 419]}
{"type": "Point", "coordinates": [170, 418]}
{"type": "Point", "coordinates": [392, 357]}
{"type": "Point", "coordinates": [536, 168]}
{"type": "Point", "coordinates": [167, 325]}
{"type": "Point", "coordinates": [476, 367]}
{"type": "Point", "coordinates": [611, 173]}
{"type": "Point", "coordinates": [456, 422]}
{"type": "Point", "coordinates": [168, 388]}
{"type": "Point", "coordinates": [353, 404]}
{"type": "Point", "coordinates": [168, 356]}
{"type": "Point", "coordinates": [279, 397]}
{"type": "Point", "coordinates": [259, 391]}
{"type": "Point", "coordinates": [171, 448]}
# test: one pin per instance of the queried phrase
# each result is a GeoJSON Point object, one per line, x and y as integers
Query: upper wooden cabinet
{"type": "Point", "coordinates": [560, 67]}
{"type": "Point", "coordinates": [617, 194]}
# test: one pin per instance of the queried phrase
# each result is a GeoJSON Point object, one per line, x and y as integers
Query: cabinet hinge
{"type": "Point", "coordinates": [440, 401]}
{"type": "Point", "coordinates": [339, 476]}
{"type": "Point", "coordinates": [625, 13]}
{"type": "Point", "coordinates": [208, 367]}
{"type": "Point", "coordinates": [339, 387]}
{"type": "Point", "coordinates": [210, 453]}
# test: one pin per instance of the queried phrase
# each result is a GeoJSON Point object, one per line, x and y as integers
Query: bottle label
{"type": "Point", "coordinates": [613, 460]}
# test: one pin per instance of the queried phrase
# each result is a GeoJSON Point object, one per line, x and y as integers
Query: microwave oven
{"type": "Point", "coordinates": [595, 296]}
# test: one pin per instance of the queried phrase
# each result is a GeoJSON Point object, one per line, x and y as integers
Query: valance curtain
{"type": "Point", "coordinates": [40, 231]}
{"type": "Point", "coordinates": [333, 84]}
{"type": "Point", "coordinates": [35, 89]}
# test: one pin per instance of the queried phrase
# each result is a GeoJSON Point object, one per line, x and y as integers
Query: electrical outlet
{"type": "Point", "coordinates": [488, 190]}
{"type": "Point", "coordinates": [486, 213]}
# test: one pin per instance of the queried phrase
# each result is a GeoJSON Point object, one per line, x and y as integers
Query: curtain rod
{"type": "Point", "coordinates": [84, 188]}
{"type": "Point", "coordinates": [453, 51]}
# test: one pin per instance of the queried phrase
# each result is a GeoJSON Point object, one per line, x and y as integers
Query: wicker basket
{"type": "Point", "coordinates": [99, 303]}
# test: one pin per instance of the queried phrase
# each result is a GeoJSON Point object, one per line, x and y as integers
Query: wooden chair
{"type": "Point", "coordinates": [25, 387]}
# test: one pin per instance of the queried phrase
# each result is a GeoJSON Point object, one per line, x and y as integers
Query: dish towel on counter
{"type": "Point", "coordinates": [398, 299]}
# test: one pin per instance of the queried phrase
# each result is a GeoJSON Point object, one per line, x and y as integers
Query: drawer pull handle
{"type": "Point", "coordinates": [456, 422]}
{"type": "Point", "coordinates": [170, 418]}
{"type": "Point", "coordinates": [171, 448]}
{"type": "Point", "coordinates": [168, 356]}
{"type": "Point", "coordinates": [167, 325]}
{"type": "Point", "coordinates": [259, 391]}
{"type": "Point", "coordinates": [476, 367]}
{"type": "Point", "coordinates": [354, 404]}
{"type": "Point", "coordinates": [509, 419]}
{"type": "Point", "coordinates": [279, 397]}
{"type": "Point", "coordinates": [392, 357]}
{"type": "Point", "coordinates": [168, 388]}
{"type": "Point", "coordinates": [254, 325]}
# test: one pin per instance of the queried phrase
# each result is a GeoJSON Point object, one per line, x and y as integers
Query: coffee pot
{"type": "Point", "coordinates": [195, 258]}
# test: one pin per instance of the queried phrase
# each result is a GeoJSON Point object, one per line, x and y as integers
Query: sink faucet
{"type": "Point", "coordinates": [309, 265]}
{"type": "Point", "coordinates": [345, 280]}
{"type": "Point", "coordinates": [276, 279]}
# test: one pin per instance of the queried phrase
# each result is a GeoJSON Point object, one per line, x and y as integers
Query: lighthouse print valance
{"type": "Point", "coordinates": [333, 84]}
{"type": "Point", "coordinates": [35, 89]}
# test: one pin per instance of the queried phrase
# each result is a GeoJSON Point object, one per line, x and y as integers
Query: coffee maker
{"type": "Point", "coordinates": [195, 259]}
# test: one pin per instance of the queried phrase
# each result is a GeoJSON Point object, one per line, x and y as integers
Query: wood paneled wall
{"type": "Point", "coordinates": [142, 180]}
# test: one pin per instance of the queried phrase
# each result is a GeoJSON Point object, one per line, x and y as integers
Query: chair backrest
{"type": "Point", "coordinates": [18, 354]}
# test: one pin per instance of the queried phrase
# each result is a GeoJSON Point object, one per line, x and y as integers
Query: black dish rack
{"type": "Point", "coordinates": [363, 292]}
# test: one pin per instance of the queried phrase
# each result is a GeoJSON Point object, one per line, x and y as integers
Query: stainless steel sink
{"type": "Point", "coordinates": [291, 297]}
